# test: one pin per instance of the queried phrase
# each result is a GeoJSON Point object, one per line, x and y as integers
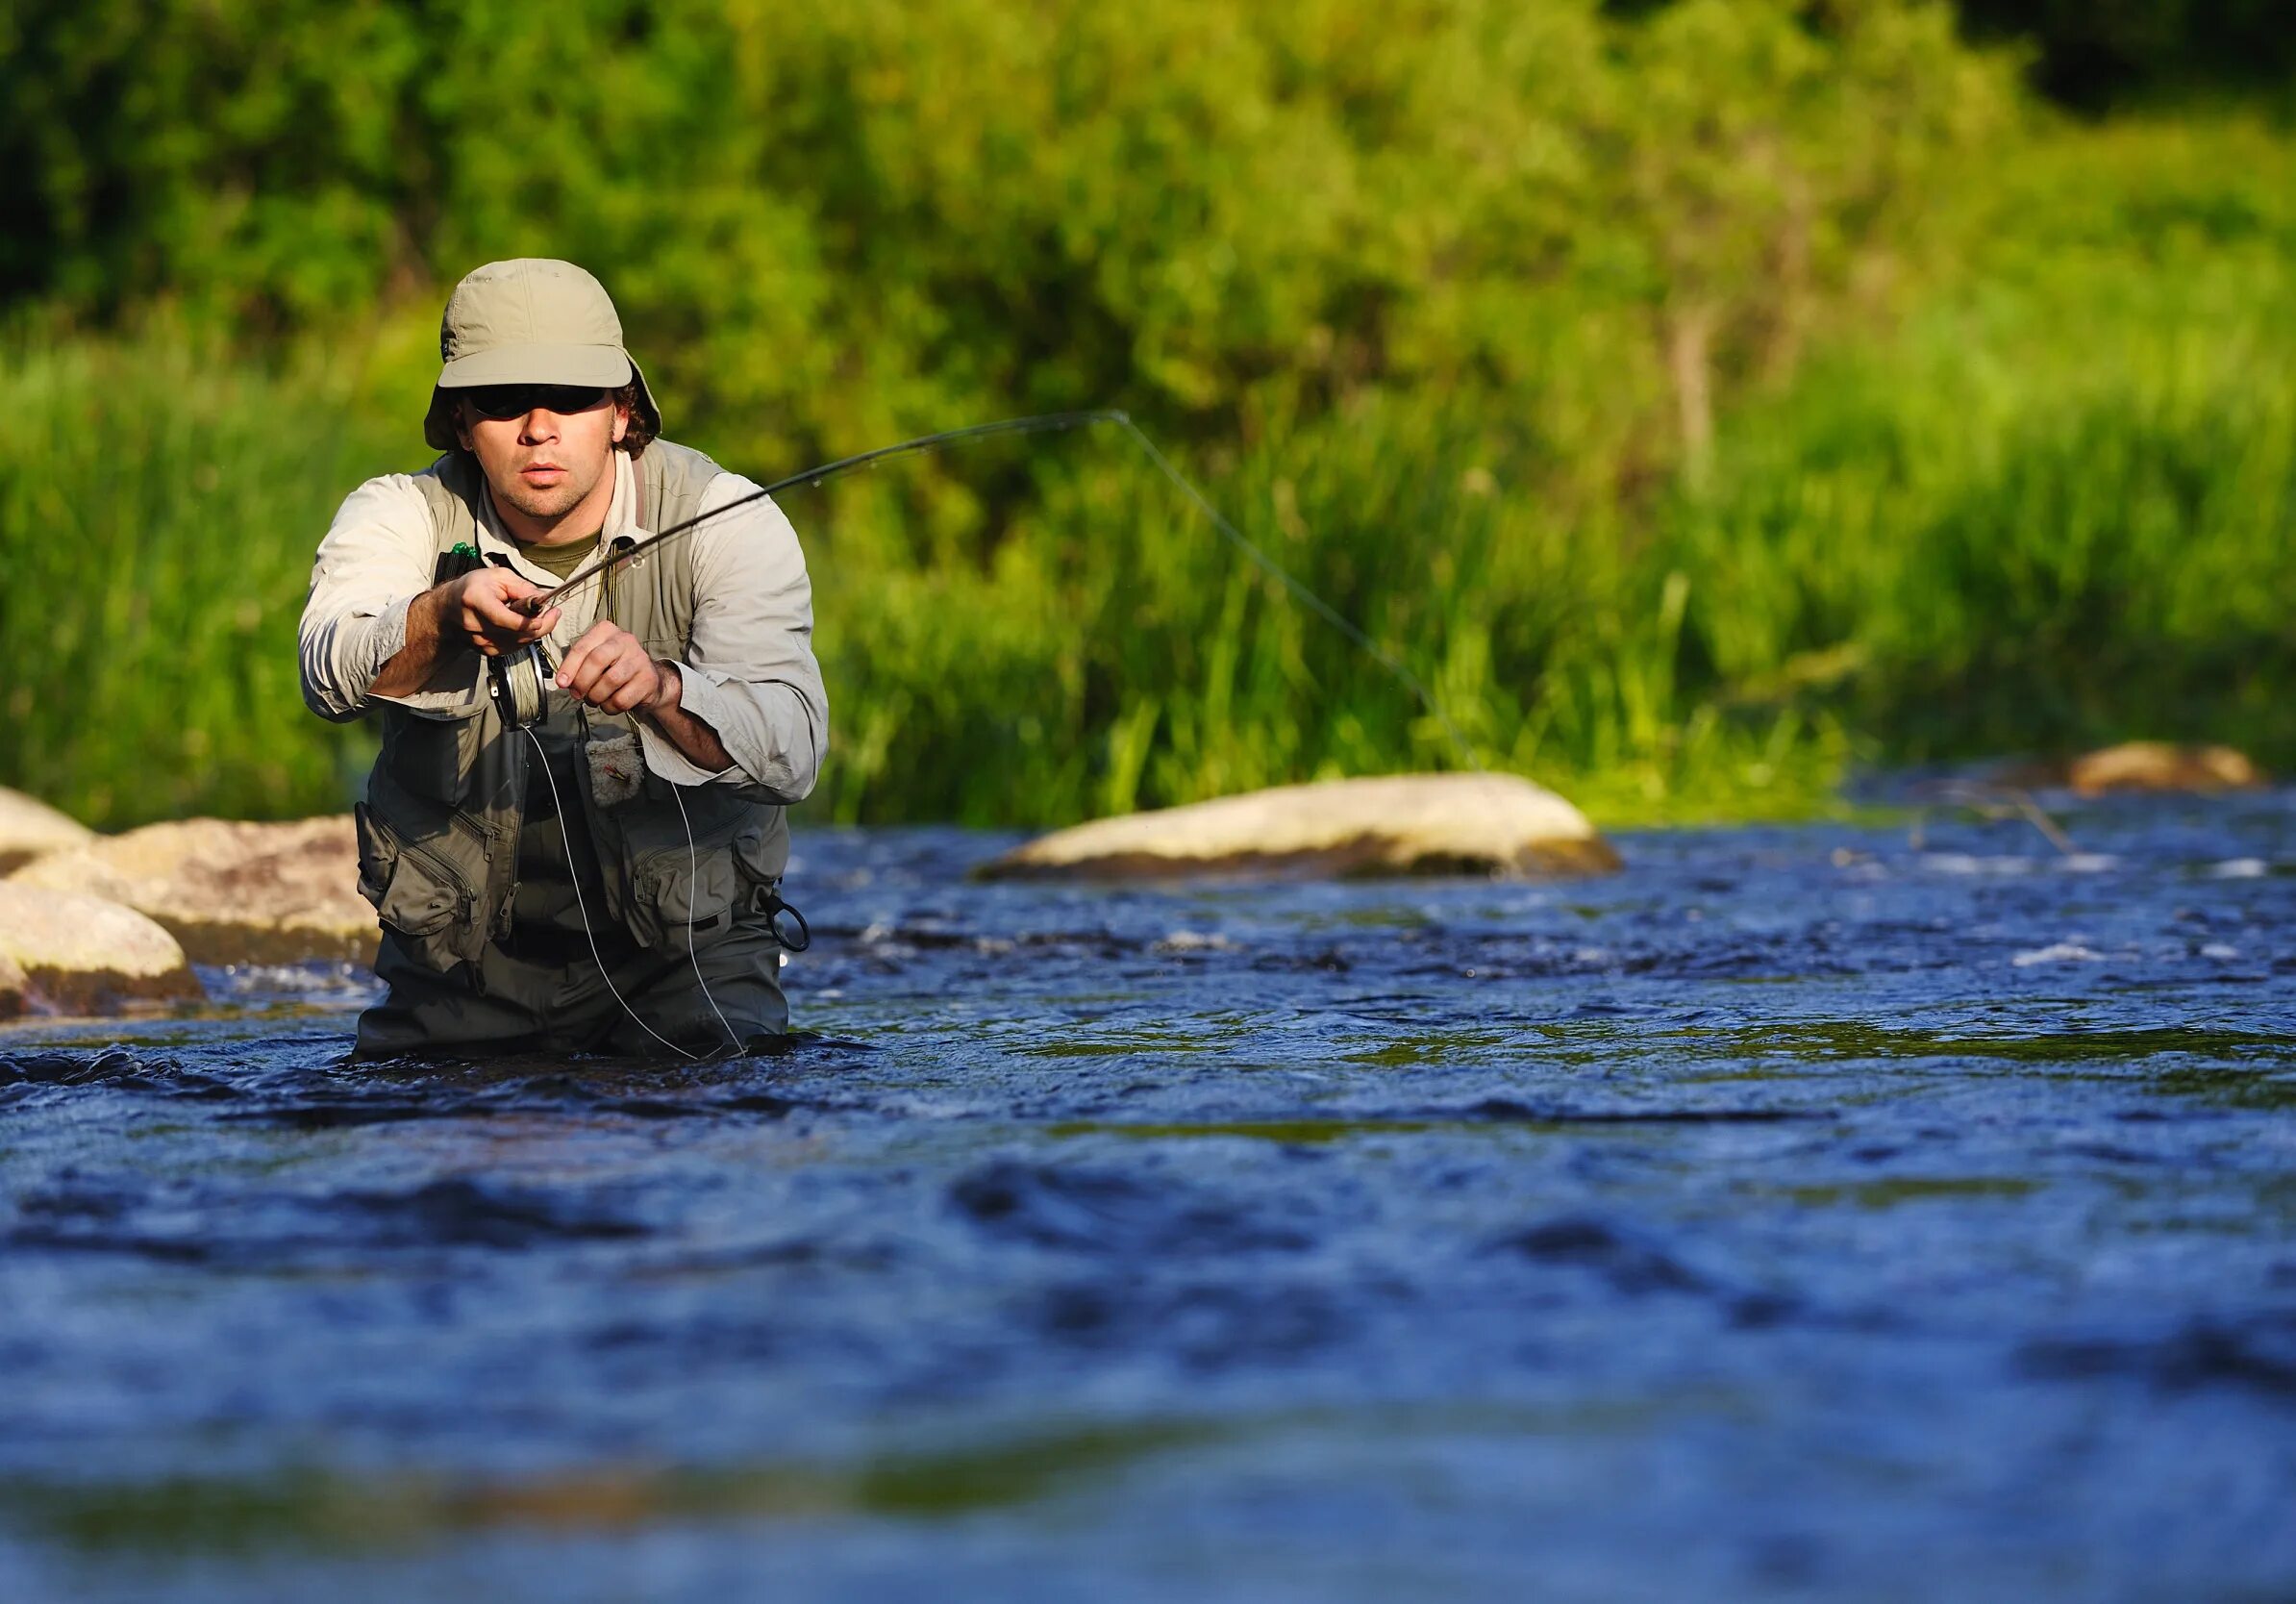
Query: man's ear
{"type": "Point", "coordinates": [461, 429]}
{"type": "Point", "coordinates": [621, 420]}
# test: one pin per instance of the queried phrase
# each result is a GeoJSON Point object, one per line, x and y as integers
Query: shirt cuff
{"type": "Point", "coordinates": [450, 693]}
{"type": "Point", "coordinates": [702, 699]}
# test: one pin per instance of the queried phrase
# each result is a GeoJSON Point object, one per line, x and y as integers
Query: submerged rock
{"type": "Point", "coordinates": [76, 954]}
{"type": "Point", "coordinates": [28, 828]}
{"type": "Point", "coordinates": [2157, 765]}
{"type": "Point", "coordinates": [230, 892]}
{"type": "Point", "coordinates": [1399, 824]}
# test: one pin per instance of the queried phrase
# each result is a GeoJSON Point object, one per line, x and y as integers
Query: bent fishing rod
{"type": "Point", "coordinates": [534, 606]}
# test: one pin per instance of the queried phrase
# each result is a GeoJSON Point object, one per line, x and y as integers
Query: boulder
{"type": "Point", "coordinates": [1492, 824]}
{"type": "Point", "coordinates": [27, 829]}
{"type": "Point", "coordinates": [2157, 765]}
{"type": "Point", "coordinates": [76, 954]}
{"type": "Point", "coordinates": [230, 892]}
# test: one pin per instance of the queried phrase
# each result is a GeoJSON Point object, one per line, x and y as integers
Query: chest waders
{"type": "Point", "coordinates": [500, 842]}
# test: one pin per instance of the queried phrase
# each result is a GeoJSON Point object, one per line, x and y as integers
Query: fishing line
{"type": "Point", "coordinates": [694, 879]}
{"type": "Point", "coordinates": [536, 605]}
{"type": "Point", "coordinates": [524, 696]}
{"type": "Point", "coordinates": [1323, 609]}
{"type": "Point", "coordinates": [582, 905]}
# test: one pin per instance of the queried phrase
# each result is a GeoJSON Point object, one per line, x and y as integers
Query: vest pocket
{"type": "Point", "coordinates": [418, 896]}
{"type": "Point", "coordinates": [668, 878]}
{"type": "Point", "coordinates": [668, 887]}
{"type": "Point", "coordinates": [760, 851]}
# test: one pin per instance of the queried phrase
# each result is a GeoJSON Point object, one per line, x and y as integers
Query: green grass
{"type": "Point", "coordinates": [2047, 506]}
{"type": "Point", "coordinates": [157, 517]}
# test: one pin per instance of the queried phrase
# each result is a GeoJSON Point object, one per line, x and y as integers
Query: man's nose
{"type": "Point", "coordinates": [541, 424]}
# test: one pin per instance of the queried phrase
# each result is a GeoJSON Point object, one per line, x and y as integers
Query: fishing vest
{"type": "Point", "coordinates": [438, 833]}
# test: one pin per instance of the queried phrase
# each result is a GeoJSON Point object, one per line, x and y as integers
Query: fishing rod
{"type": "Point", "coordinates": [536, 605]}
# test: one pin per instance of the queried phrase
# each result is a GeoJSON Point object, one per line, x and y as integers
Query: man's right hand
{"type": "Point", "coordinates": [474, 611]}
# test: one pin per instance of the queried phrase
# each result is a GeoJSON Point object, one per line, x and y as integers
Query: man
{"type": "Point", "coordinates": [605, 876]}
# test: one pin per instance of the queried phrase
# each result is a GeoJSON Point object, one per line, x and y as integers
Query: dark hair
{"type": "Point", "coordinates": [639, 434]}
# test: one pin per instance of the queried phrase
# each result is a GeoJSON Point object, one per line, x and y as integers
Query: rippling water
{"type": "Point", "coordinates": [1800, 1213]}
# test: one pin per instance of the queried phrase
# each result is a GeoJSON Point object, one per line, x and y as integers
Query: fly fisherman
{"type": "Point", "coordinates": [623, 895]}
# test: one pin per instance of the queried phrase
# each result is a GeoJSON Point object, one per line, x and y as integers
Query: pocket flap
{"type": "Point", "coordinates": [413, 896]}
{"type": "Point", "coordinates": [419, 900]}
{"type": "Point", "coordinates": [669, 888]}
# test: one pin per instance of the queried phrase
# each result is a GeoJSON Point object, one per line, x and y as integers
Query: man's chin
{"type": "Point", "coordinates": [553, 501]}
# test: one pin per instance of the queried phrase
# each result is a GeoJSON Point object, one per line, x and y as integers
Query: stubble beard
{"type": "Point", "coordinates": [550, 502]}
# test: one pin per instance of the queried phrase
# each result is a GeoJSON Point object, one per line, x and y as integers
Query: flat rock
{"type": "Point", "coordinates": [2158, 765]}
{"type": "Point", "coordinates": [1488, 824]}
{"type": "Point", "coordinates": [28, 828]}
{"type": "Point", "coordinates": [77, 954]}
{"type": "Point", "coordinates": [230, 892]}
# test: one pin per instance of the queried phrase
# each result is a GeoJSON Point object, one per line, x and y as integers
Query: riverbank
{"type": "Point", "coordinates": [2042, 505]}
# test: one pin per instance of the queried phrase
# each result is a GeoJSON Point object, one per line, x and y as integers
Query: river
{"type": "Point", "coordinates": [1804, 1212]}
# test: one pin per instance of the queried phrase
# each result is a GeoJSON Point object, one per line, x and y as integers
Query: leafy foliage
{"type": "Point", "coordinates": [831, 225]}
{"type": "Point", "coordinates": [1696, 396]}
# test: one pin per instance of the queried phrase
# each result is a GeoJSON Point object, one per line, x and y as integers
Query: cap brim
{"type": "Point", "coordinates": [603, 366]}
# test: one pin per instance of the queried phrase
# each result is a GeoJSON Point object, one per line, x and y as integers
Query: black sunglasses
{"type": "Point", "coordinates": [505, 401]}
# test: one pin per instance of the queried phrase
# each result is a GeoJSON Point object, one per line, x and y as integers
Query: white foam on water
{"type": "Point", "coordinates": [1194, 941]}
{"type": "Point", "coordinates": [2058, 952]}
{"type": "Point", "coordinates": [1968, 863]}
{"type": "Point", "coordinates": [2239, 868]}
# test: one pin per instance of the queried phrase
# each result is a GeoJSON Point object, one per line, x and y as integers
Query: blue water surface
{"type": "Point", "coordinates": [1804, 1212]}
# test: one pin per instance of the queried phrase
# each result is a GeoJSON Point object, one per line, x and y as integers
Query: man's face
{"type": "Point", "coordinates": [551, 452]}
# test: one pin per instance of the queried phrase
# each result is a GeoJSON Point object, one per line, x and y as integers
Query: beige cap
{"type": "Point", "coordinates": [530, 321]}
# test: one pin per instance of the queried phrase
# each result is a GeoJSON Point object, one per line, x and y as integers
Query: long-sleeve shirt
{"type": "Point", "coordinates": [748, 672]}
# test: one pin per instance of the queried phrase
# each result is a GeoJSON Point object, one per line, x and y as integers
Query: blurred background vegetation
{"type": "Point", "coordinates": [1704, 397]}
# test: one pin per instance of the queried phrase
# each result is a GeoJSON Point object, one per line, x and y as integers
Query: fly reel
{"type": "Point", "coordinates": [520, 684]}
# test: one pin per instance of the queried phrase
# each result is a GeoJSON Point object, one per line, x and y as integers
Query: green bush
{"type": "Point", "coordinates": [830, 226]}
{"type": "Point", "coordinates": [1696, 401]}
{"type": "Point", "coordinates": [2050, 509]}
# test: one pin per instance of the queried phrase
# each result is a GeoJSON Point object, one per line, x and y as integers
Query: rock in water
{"type": "Point", "coordinates": [83, 955]}
{"type": "Point", "coordinates": [1400, 824]}
{"type": "Point", "coordinates": [27, 829]}
{"type": "Point", "coordinates": [231, 892]}
{"type": "Point", "coordinates": [2158, 765]}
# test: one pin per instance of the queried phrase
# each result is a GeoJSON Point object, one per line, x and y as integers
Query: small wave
{"type": "Point", "coordinates": [1626, 1261]}
{"type": "Point", "coordinates": [1058, 1207]}
{"type": "Point", "coordinates": [2058, 952]}
{"type": "Point", "coordinates": [2239, 868]}
{"type": "Point", "coordinates": [1968, 863]}
{"type": "Point", "coordinates": [460, 1211]}
{"type": "Point", "coordinates": [2258, 1351]}
{"type": "Point", "coordinates": [1194, 941]}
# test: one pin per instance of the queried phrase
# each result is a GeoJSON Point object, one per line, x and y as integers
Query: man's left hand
{"type": "Point", "coordinates": [609, 669]}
